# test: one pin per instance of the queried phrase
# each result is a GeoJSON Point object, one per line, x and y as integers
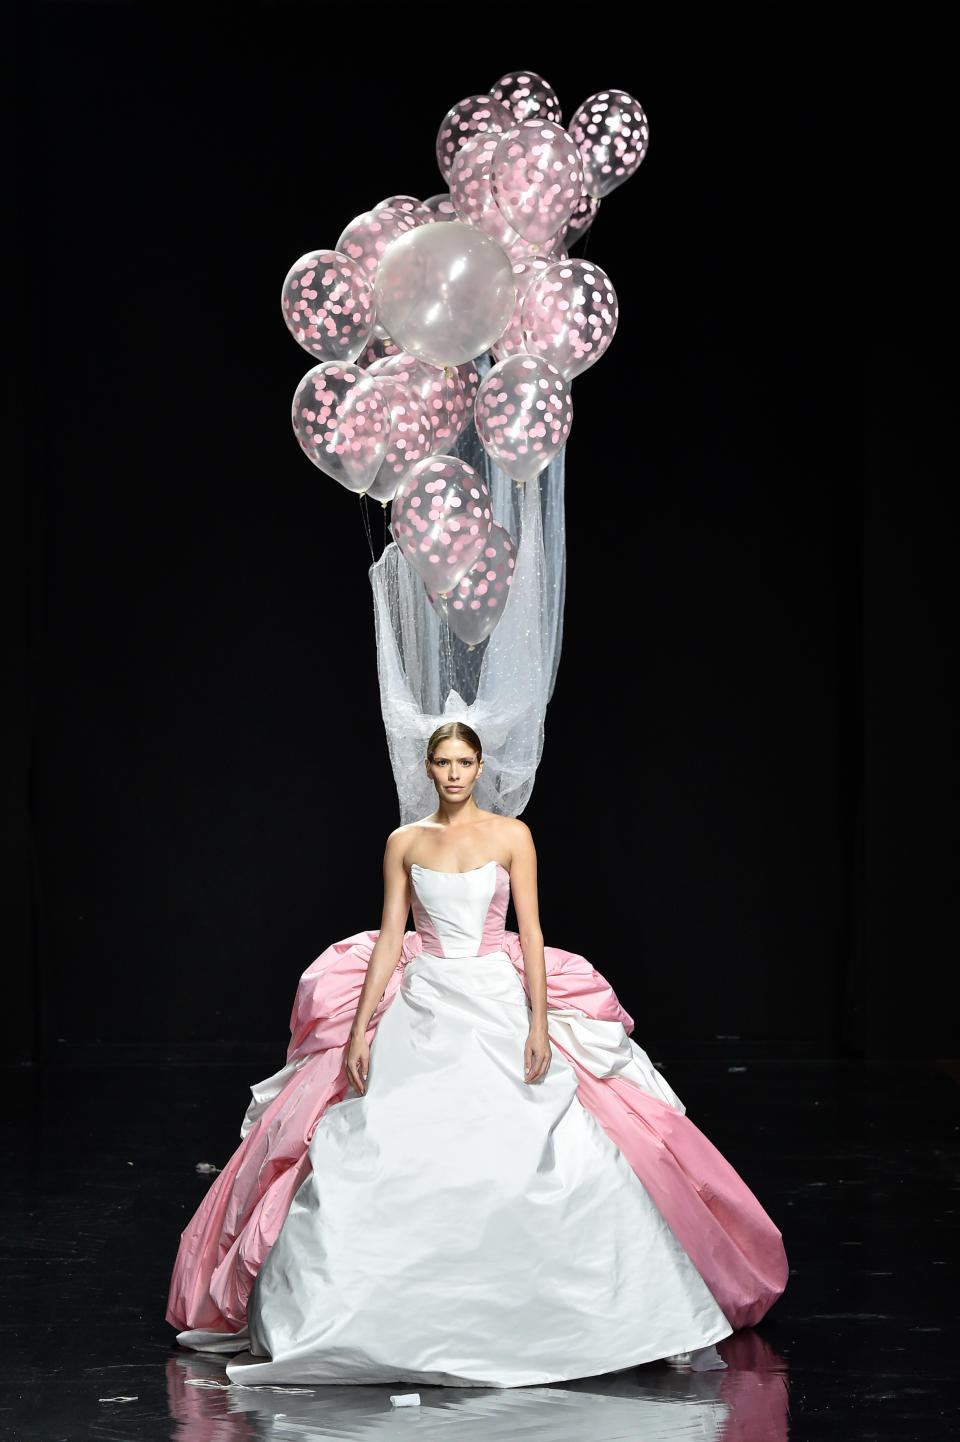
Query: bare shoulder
{"type": "Point", "coordinates": [517, 838]}
{"type": "Point", "coordinates": [399, 840]}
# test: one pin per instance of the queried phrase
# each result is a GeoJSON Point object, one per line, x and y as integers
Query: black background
{"type": "Point", "coordinates": [746, 806]}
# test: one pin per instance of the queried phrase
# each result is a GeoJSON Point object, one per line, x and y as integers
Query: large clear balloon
{"type": "Point", "coordinates": [527, 96]}
{"type": "Point", "coordinates": [523, 413]}
{"type": "Point", "coordinates": [445, 292]}
{"type": "Point", "coordinates": [441, 520]}
{"type": "Point", "coordinates": [570, 314]}
{"type": "Point", "coordinates": [612, 132]}
{"type": "Point", "coordinates": [475, 604]}
{"type": "Point", "coordinates": [476, 115]}
{"type": "Point", "coordinates": [537, 178]}
{"type": "Point", "coordinates": [342, 421]}
{"type": "Point", "coordinates": [472, 192]}
{"type": "Point", "coordinates": [328, 305]}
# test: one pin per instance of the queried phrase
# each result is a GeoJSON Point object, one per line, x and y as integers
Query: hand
{"type": "Point", "coordinates": [536, 1054]}
{"type": "Point", "coordinates": [358, 1063]}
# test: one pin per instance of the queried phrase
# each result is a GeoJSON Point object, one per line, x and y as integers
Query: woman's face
{"type": "Point", "coordinates": [453, 768]}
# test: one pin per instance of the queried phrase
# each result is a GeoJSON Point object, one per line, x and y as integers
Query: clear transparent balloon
{"type": "Point", "coordinates": [342, 421]}
{"type": "Point", "coordinates": [471, 189]}
{"type": "Point", "coordinates": [613, 135]}
{"type": "Point", "coordinates": [441, 519]}
{"type": "Point", "coordinates": [474, 115]}
{"type": "Point", "coordinates": [501, 686]}
{"type": "Point", "coordinates": [537, 178]}
{"type": "Point", "coordinates": [328, 305]}
{"type": "Point", "coordinates": [475, 604]}
{"type": "Point", "coordinates": [445, 292]}
{"type": "Point", "coordinates": [570, 315]}
{"type": "Point", "coordinates": [523, 414]}
{"type": "Point", "coordinates": [527, 96]}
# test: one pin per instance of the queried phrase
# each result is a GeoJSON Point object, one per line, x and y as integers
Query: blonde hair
{"type": "Point", "coordinates": [454, 731]}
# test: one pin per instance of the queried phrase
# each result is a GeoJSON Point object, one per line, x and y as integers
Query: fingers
{"type": "Point", "coordinates": [535, 1066]}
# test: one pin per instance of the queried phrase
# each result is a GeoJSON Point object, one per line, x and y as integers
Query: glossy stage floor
{"type": "Point", "coordinates": [857, 1162]}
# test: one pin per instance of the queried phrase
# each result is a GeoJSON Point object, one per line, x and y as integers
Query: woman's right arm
{"type": "Point", "coordinates": [383, 958]}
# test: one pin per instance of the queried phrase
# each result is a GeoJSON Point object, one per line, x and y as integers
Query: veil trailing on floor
{"type": "Point", "coordinates": [501, 686]}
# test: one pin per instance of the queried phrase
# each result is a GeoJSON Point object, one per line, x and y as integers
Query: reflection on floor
{"type": "Point", "coordinates": [856, 1162]}
{"type": "Point", "coordinates": [747, 1399]}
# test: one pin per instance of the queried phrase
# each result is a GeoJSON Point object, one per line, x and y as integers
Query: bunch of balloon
{"type": "Point", "coordinates": [445, 335]}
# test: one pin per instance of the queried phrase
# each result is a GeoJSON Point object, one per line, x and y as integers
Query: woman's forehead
{"type": "Point", "coordinates": [453, 751]}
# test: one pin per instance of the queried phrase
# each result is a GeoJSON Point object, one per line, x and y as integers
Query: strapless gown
{"type": "Point", "coordinates": [457, 1224]}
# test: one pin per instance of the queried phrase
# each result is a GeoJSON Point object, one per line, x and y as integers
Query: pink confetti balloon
{"type": "Point", "coordinates": [475, 604]}
{"type": "Point", "coordinates": [342, 421]}
{"type": "Point", "coordinates": [527, 96]}
{"type": "Point", "coordinates": [441, 206]}
{"type": "Point", "coordinates": [441, 519]}
{"type": "Point", "coordinates": [470, 381]}
{"type": "Point", "coordinates": [407, 205]}
{"type": "Point", "coordinates": [328, 305]}
{"type": "Point", "coordinates": [473, 116]}
{"type": "Point", "coordinates": [550, 250]}
{"type": "Point", "coordinates": [367, 236]}
{"type": "Point", "coordinates": [523, 413]}
{"type": "Point", "coordinates": [537, 178]}
{"type": "Point", "coordinates": [524, 274]}
{"type": "Point", "coordinates": [581, 219]}
{"type": "Point", "coordinates": [471, 190]}
{"type": "Point", "coordinates": [411, 438]}
{"type": "Point", "coordinates": [378, 349]}
{"type": "Point", "coordinates": [445, 292]}
{"type": "Point", "coordinates": [612, 132]}
{"type": "Point", "coordinates": [570, 315]}
{"type": "Point", "coordinates": [443, 393]}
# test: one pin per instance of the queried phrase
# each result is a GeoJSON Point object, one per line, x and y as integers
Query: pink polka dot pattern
{"type": "Point", "coordinates": [472, 192]}
{"type": "Point", "coordinates": [475, 604]}
{"type": "Point", "coordinates": [328, 305]}
{"type": "Point", "coordinates": [476, 115]}
{"type": "Point", "coordinates": [441, 520]}
{"type": "Point", "coordinates": [570, 315]}
{"type": "Point", "coordinates": [367, 236]}
{"type": "Point", "coordinates": [411, 438]}
{"type": "Point", "coordinates": [443, 392]}
{"type": "Point", "coordinates": [378, 349]}
{"type": "Point", "coordinates": [523, 413]}
{"type": "Point", "coordinates": [342, 421]}
{"type": "Point", "coordinates": [524, 274]}
{"type": "Point", "coordinates": [527, 96]}
{"type": "Point", "coordinates": [612, 132]}
{"type": "Point", "coordinates": [537, 178]}
{"type": "Point", "coordinates": [407, 205]}
{"type": "Point", "coordinates": [581, 219]}
{"type": "Point", "coordinates": [441, 206]}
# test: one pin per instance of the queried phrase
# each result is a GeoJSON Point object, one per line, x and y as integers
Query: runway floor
{"type": "Point", "coordinates": [856, 1162]}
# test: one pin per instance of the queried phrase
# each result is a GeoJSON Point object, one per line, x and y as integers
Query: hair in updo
{"type": "Point", "coordinates": [454, 731]}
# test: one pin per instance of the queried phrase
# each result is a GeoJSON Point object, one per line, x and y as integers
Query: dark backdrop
{"type": "Point", "coordinates": [744, 811]}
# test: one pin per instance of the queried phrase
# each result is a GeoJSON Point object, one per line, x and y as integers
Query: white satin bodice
{"type": "Point", "coordinates": [460, 913]}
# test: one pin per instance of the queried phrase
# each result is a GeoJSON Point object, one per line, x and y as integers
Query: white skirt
{"type": "Point", "coordinates": [461, 1226]}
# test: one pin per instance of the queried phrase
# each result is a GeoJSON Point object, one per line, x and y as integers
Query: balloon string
{"type": "Point", "coordinates": [366, 526]}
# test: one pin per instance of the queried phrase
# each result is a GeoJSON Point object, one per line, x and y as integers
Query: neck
{"type": "Point", "coordinates": [456, 813]}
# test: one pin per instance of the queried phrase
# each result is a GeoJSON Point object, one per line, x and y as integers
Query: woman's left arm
{"type": "Point", "coordinates": [523, 885]}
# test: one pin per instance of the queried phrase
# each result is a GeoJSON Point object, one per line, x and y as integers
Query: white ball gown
{"type": "Point", "coordinates": [455, 1224]}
